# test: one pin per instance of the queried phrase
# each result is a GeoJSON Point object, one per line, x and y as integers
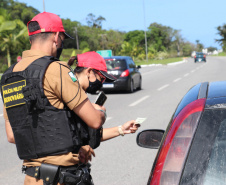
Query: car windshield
{"type": "Point", "coordinates": [113, 64]}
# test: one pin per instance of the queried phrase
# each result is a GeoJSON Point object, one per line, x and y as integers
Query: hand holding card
{"type": "Point", "coordinates": [140, 120]}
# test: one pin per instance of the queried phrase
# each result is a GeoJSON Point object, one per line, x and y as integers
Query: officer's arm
{"type": "Point", "coordinates": [8, 128]}
{"type": "Point", "coordinates": [91, 116]}
{"type": "Point", "coordinates": [9, 132]}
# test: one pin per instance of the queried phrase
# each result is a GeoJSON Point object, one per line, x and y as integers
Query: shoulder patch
{"type": "Point", "coordinates": [71, 74]}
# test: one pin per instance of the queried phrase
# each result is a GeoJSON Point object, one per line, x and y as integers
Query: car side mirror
{"type": "Point", "coordinates": [150, 138]}
{"type": "Point", "coordinates": [138, 67]}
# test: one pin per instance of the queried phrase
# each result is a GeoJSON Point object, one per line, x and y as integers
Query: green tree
{"type": "Point", "coordinates": [178, 41]}
{"type": "Point", "coordinates": [10, 32]}
{"type": "Point", "coordinates": [222, 32]}
{"type": "Point", "coordinates": [188, 48]}
{"type": "Point", "coordinates": [199, 46]}
{"type": "Point", "coordinates": [211, 49]}
{"type": "Point", "coordinates": [98, 22]}
{"type": "Point", "coordinates": [21, 11]}
{"type": "Point", "coordinates": [160, 36]}
{"type": "Point", "coordinates": [4, 4]}
{"type": "Point", "coordinates": [92, 21]}
{"type": "Point", "coordinates": [135, 37]}
{"type": "Point", "coordinates": [70, 27]}
{"type": "Point", "coordinates": [114, 41]}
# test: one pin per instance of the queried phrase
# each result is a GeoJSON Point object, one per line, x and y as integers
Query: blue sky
{"type": "Point", "coordinates": [197, 19]}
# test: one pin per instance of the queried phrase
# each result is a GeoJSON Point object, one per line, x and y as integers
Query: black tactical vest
{"type": "Point", "coordinates": [39, 128]}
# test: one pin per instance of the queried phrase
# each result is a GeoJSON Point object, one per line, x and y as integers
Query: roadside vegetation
{"type": "Point", "coordinates": [164, 44]}
{"type": "Point", "coordinates": [155, 61]}
{"type": "Point", "coordinates": [221, 54]}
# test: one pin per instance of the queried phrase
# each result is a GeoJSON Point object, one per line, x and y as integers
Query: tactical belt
{"type": "Point", "coordinates": [52, 174]}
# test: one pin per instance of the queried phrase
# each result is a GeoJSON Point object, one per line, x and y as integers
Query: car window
{"type": "Point", "coordinates": [199, 55]}
{"type": "Point", "coordinates": [115, 64]}
{"type": "Point", "coordinates": [206, 164]}
{"type": "Point", "coordinates": [216, 168]}
{"type": "Point", "coordinates": [131, 64]}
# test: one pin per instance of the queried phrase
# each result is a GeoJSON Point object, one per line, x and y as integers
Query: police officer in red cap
{"type": "Point", "coordinates": [42, 98]}
{"type": "Point", "coordinates": [91, 71]}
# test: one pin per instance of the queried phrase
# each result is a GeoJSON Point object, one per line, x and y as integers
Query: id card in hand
{"type": "Point", "coordinates": [140, 120]}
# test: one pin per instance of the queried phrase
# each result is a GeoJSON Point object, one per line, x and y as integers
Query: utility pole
{"type": "Point", "coordinates": [43, 5]}
{"type": "Point", "coordinates": [145, 34]}
{"type": "Point", "coordinates": [76, 35]}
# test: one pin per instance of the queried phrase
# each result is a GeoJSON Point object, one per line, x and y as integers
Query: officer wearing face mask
{"type": "Point", "coordinates": [42, 98]}
{"type": "Point", "coordinates": [91, 72]}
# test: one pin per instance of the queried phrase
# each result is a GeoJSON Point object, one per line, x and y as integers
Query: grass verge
{"type": "Point", "coordinates": [154, 61]}
{"type": "Point", "coordinates": [66, 54]}
{"type": "Point", "coordinates": [221, 54]}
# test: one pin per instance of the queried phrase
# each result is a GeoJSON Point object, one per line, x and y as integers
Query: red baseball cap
{"type": "Point", "coordinates": [48, 22]}
{"type": "Point", "coordinates": [95, 61]}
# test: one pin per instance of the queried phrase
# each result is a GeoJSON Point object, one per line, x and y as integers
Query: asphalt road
{"type": "Point", "coordinates": [121, 161]}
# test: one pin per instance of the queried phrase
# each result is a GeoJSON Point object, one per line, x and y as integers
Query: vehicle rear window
{"type": "Point", "coordinates": [199, 55]}
{"type": "Point", "coordinates": [115, 64]}
{"type": "Point", "coordinates": [206, 161]}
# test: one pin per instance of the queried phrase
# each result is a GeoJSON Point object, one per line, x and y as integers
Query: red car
{"type": "Point", "coordinates": [192, 150]}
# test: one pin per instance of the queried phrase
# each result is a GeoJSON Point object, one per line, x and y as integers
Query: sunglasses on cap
{"type": "Point", "coordinates": [102, 77]}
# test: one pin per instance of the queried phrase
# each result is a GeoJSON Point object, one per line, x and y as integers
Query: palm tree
{"type": "Point", "coordinates": [10, 32]}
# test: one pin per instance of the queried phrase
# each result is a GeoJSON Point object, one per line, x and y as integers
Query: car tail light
{"type": "Point", "coordinates": [204, 56]}
{"type": "Point", "coordinates": [125, 73]}
{"type": "Point", "coordinates": [172, 156]}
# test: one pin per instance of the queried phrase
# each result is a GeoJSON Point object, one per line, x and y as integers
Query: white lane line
{"type": "Point", "coordinates": [163, 87]}
{"type": "Point", "coordinates": [192, 71]}
{"type": "Point", "coordinates": [186, 74]}
{"type": "Point", "coordinates": [138, 101]}
{"type": "Point", "coordinates": [1, 114]}
{"type": "Point", "coordinates": [108, 118]}
{"type": "Point", "coordinates": [176, 80]}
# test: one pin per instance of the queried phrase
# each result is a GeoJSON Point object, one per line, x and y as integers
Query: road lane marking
{"type": "Point", "coordinates": [186, 74]}
{"type": "Point", "coordinates": [192, 71]}
{"type": "Point", "coordinates": [176, 80]}
{"type": "Point", "coordinates": [108, 118]}
{"type": "Point", "coordinates": [139, 101]}
{"type": "Point", "coordinates": [163, 87]}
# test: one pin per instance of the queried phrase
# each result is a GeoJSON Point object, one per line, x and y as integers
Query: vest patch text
{"type": "Point", "coordinates": [12, 94]}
